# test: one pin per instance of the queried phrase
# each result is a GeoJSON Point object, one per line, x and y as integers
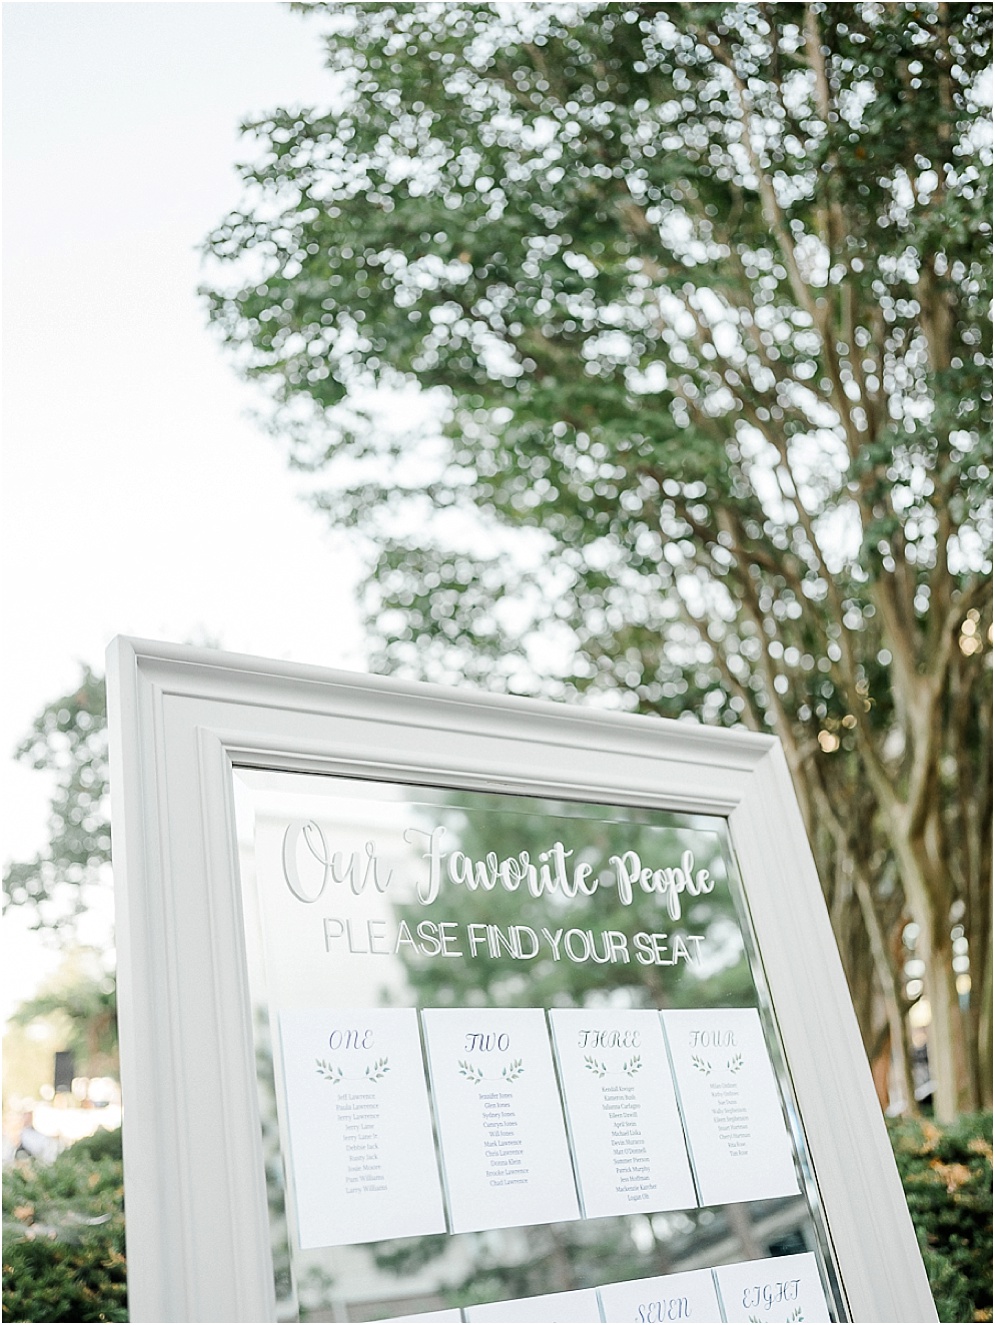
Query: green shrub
{"type": "Point", "coordinates": [63, 1236]}
{"type": "Point", "coordinates": [947, 1176]}
{"type": "Point", "coordinates": [55, 1281]}
{"type": "Point", "coordinates": [63, 1256]}
{"type": "Point", "coordinates": [103, 1144]}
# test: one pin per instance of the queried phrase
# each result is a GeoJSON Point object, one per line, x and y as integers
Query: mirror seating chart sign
{"type": "Point", "coordinates": [443, 1006]}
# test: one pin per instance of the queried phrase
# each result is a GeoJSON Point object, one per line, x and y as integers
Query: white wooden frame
{"type": "Point", "coordinates": [180, 718]}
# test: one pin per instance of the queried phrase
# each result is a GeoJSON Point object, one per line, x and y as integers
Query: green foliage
{"type": "Point", "coordinates": [63, 1236]}
{"type": "Point", "coordinates": [105, 1143]}
{"type": "Point", "coordinates": [87, 1003]}
{"type": "Point", "coordinates": [83, 1183]}
{"type": "Point", "coordinates": [947, 1176]}
{"type": "Point", "coordinates": [54, 1281]}
{"type": "Point", "coordinates": [69, 740]}
{"type": "Point", "coordinates": [700, 294]}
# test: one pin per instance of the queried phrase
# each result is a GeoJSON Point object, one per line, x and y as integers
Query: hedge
{"type": "Point", "coordinates": [63, 1256]}
{"type": "Point", "coordinates": [947, 1176]}
{"type": "Point", "coordinates": [63, 1236]}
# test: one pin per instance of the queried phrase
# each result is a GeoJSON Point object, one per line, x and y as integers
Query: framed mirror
{"type": "Point", "coordinates": [448, 1006]}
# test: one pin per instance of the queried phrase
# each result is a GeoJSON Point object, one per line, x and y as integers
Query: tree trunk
{"type": "Point", "coordinates": [928, 896]}
{"type": "Point", "coordinates": [901, 1069]}
{"type": "Point", "coordinates": [945, 1043]}
{"type": "Point", "coordinates": [983, 1042]}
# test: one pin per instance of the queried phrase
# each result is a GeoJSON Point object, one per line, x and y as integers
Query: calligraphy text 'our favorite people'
{"type": "Point", "coordinates": [552, 871]}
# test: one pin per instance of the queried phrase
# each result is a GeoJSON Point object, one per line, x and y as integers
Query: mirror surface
{"type": "Point", "coordinates": [512, 1047]}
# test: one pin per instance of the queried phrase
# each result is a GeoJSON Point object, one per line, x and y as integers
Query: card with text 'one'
{"type": "Point", "coordinates": [362, 1154]}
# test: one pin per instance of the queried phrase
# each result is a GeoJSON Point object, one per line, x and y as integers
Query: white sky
{"type": "Point", "coordinates": [137, 495]}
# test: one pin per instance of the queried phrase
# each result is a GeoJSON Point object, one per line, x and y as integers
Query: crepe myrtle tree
{"type": "Point", "coordinates": [700, 294]}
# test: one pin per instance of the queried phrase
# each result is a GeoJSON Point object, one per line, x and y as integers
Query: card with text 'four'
{"type": "Point", "coordinates": [737, 1135]}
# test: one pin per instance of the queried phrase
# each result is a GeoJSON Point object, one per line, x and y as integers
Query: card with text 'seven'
{"type": "Point", "coordinates": [362, 1154]}
{"type": "Point", "coordinates": [781, 1288]}
{"type": "Point", "coordinates": [625, 1127]}
{"type": "Point", "coordinates": [689, 1296]}
{"type": "Point", "coordinates": [505, 1157]}
{"type": "Point", "coordinates": [738, 1138]}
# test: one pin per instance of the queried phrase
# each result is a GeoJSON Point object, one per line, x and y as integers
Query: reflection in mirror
{"type": "Point", "coordinates": [510, 1048]}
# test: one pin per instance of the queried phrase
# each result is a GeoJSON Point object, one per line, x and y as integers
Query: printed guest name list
{"type": "Point", "coordinates": [736, 1131]}
{"type": "Point", "coordinates": [622, 1111]}
{"type": "Point", "coordinates": [504, 1148]}
{"type": "Point", "coordinates": [360, 1128]}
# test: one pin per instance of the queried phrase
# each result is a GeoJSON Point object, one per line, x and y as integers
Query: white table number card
{"type": "Point", "coordinates": [505, 1157]}
{"type": "Point", "coordinates": [575, 1308]}
{"type": "Point", "coordinates": [690, 1296]}
{"type": "Point", "coordinates": [625, 1127]}
{"type": "Point", "coordinates": [359, 1124]}
{"type": "Point", "coordinates": [783, 1288]}
{"type": "Point", "coordinates": [736, 1131]}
